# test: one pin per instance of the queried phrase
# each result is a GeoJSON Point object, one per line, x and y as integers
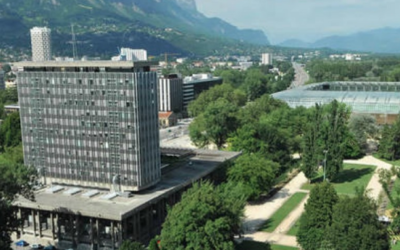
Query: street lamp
{"type": "Point", "coordinates": [325, 152]}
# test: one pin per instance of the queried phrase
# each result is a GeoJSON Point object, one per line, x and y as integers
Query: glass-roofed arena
{"type": "Point", "coordinates": [380, 99]}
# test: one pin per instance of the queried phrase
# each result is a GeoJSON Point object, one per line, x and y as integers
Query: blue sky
{"type": "Point", "coordinates": [307, 20]}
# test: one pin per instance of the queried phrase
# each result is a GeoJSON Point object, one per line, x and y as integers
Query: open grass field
{"type": "Point", "coordinates": [272, 223]}
{"type": "Point", "coordinates": [253, 245]}
{"type": "Point", "coordinates": [352, 176]}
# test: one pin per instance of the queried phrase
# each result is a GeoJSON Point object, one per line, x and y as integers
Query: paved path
{"type": "Point", "coordinates": [256, 215]}
{"type": "Point", "coordinates": [374, 187]}
{"type": "Point", "coordinates": [288, 222]}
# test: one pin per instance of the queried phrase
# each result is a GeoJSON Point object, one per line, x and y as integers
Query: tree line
{"type": "Point", "coordinates": [370, 69]}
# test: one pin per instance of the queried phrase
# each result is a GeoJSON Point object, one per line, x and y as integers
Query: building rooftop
{"type": "Point", "coordinates": [361, 97]}
{"type": "Point", "coordinates": [117, 207]}
{"type": "Point", "coordinates": [110, 64]}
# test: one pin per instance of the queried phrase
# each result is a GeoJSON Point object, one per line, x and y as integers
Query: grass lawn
{"type": "Point", "coordinates": [352, 176]}
{"type": "Point", "coordinates": [293, 230]}
{"type": "Point", "coordinates": [272, 223]}
{"type": "Point", "coordinates": [279, 247]}
{"type": "Point", "coordinates": [254, 245]}
{"type": "Point", "coordinates": [395, 247]}
{"type": "Point", "coordinates": [394, 193]}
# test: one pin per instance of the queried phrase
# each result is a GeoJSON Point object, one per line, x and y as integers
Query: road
{"type": "Point", "coordinates": [301, 76]}
{"type": "Point", "coordinates": [175, 131]}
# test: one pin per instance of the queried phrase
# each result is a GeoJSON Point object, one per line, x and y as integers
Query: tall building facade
{"type": "Point", "coordinates": [266, 59]}
{"type": "Point", "coordinates": [91, 123]}
{"type": "Point", "coordinates": [41, 44]}
{"type": "Point", "coordinates": [195, 84]}
{"type": "Point", "coordinates": [170, 93]}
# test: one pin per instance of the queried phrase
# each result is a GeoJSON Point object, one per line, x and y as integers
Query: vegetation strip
{"type": "Point", "coordinates": [276, 219]}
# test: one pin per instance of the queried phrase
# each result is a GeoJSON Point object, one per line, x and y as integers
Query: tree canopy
{"type": "Point", "coordinates": [14, 180]}
{"type": "Point", "coordinates": [207, 217]}
{"type": "Point", "coordinates": [355, 225]}
{"type": "Point", "coordinates": [256, 173]}
{"type": "Point", "coordinates": [317, 216]}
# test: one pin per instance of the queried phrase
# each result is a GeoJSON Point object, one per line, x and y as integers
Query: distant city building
{"type": "Point", "coordinates": [167, 119]}
{"type": "Point", "coordinates": [127, 54]}
{"type": "Point", "coordinates": [11, 108]}
{"type": "Point", "coordinates": [41, 44]}
{"type": "Point", "coordinates": [170, 93]}
{"type": "Point", "coordinates": [2, 82]}
{"type": "Point", "coordinates": [91, 123]}
{"type": "Point", "coordinates": [266, 59]}
{"type": "Point", "coordinates": [195, 84]}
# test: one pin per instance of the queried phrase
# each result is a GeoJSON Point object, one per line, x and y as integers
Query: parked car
{"type": "Point", "coordinates": [36, 246]}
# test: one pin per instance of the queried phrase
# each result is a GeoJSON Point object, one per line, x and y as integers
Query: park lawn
{"type": "Point", "coordinates": [294, 229]}
{"type": "Point", "coordinates": [280, 247]}
{"type": "Point", "coordinates": [272, 223]}
{"type": "Point", "coordinates": [254, 245]}
{"type": "Point", "coordinates": [352, 176]}
{"type": "Point", "coordinates": [395, 247]}
{"type": "Point", "coordinates": [394, 193]}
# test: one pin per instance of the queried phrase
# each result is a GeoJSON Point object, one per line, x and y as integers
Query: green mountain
{"type": "Point", "coordinates": [103, 25]}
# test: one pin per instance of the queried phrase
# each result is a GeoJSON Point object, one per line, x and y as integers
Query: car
{"type": "Point", "coordinates": [36, 246]}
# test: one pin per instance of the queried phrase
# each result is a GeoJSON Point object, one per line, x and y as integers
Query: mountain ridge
{"type": "Point", "coordinates": [156, 25]}
{"type": "Point", "coordinates": [383, 40]}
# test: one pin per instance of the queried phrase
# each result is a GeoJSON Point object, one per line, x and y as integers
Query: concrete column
{"type": "Point", "coordinates": [34, 222]}
{"type": "Point", "coordinates": [23, 221]}
{"type": "Point", "coordinates": [52, 226]}
{"type": "Point", "coordinates": [134, 231]}
{"type": "Point", "coordinates": [58, 227]}
{"type": "Point", "coordinates": [98, 233]}
{"type": "Point", "coordinates": [112, 235]}
{"type": "Point", "coordinates": [121, 230]}
{"type": "Point", "coordinates": [91, 232]}
{"type": "Point", "coordinates": [40, 224]}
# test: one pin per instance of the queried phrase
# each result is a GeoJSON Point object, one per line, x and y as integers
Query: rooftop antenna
{"type": "Point", "coordinates": [74, 49]}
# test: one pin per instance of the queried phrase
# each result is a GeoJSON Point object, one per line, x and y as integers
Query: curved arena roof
{"type": "Point", "coordinates": [362, 97]}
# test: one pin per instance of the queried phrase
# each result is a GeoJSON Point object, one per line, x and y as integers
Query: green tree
{"type": "Point", "coordinates": [335, 132]}
{"type": "Point", "coordinates": [389, 145]}
{"type": "Point", "coordinates": [363, 127]}
{"type": "Point", "coordinates": [207, 217]}
{"type": "Point", "coordinates": [255, 84]}
{"type": "Point", "coordinates": [215, 124]}
{"type": "Point", "coordinates": [317, 216]}
{"type": "Point", "coordinates": [10, 131]}
{"type": "Point", "coordinates": [14, 180]}
{"type": "Point", "coordinates": [131, 245]}
{"type": "Point", "coordinates": [355, 225]}
{"type": "Point", "coordinates": [256, 173]}
{"type": "Point", "coordinates": [224, 91]}
{"type": "Point", "coordinates": [312, 144]}
{"type": "Point", "coordinates": [153, 245]}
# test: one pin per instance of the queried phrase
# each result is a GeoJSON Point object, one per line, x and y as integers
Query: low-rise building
{"type": "Point", "coordinates": [81, 218]}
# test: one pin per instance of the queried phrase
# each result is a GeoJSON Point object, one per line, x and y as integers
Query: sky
{"type": "Point", "coordinates": [307, 20]}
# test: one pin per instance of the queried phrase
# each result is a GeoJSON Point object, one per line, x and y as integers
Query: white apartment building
{"type": "Point", "coordinates": [127, 54]}
{"type": "Point", "coordinates": [41, 44]}
{"type": "Point", "coordinates": [266, 59]}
